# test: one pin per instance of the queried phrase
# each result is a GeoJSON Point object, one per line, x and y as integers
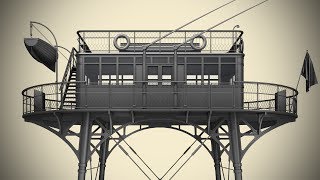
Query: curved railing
{"type": "Point", "coordinates": [238, 95]}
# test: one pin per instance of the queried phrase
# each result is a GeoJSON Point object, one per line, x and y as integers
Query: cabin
{"type": "Point", "coordinates": [199, 74]}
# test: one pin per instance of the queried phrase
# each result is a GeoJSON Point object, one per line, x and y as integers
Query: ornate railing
{"type": "Point", "coordinates": [104, 41]}
{"type": "Point", "coordinates": [238, 95]}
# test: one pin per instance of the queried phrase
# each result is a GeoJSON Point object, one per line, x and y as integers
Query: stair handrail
{"type": "Point", "coordinates": [71, 63]}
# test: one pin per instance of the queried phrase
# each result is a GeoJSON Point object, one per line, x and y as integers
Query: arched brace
{"type": "Point", "coordinates": [259, 135]}
{"type": "Point", "coordinates": [198, 138]}
{"type": "Point", "coordinates": [60, 136]}
{"type": "Point", "coordinates": [105, 137]}
{"type": "Point", "coordinates": [214, 136]}
{"type": "Point", "coordinates": [63, 134]}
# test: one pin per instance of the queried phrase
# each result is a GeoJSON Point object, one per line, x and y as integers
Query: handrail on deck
{"type": "Point", "coordinates": [254, 95]}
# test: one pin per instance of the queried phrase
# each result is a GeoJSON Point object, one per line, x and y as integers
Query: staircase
{"type": "Point", "coordinates": [68, 87]}
{"type": "Point", "coordinates": [69, 97]}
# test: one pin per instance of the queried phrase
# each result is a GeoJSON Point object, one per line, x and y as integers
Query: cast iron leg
{"type": "Point", "coordinates": [103, 157]}
{"type": "Point", "coordinates": [235, 145]}
{"type": "Point", "coordinates": [84, 146]}
{"type": "Point", "coordinates": [216, 158]}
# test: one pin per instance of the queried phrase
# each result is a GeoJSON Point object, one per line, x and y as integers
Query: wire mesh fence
{"type": "Point", "coordinates": [107, 41]}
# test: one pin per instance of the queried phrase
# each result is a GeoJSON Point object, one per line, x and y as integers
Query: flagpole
{"type": "Point", "coordinates": [300, 75]}
{"type": "Point", "coordinates": [298, 81]}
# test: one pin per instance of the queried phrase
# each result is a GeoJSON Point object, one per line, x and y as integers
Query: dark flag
{"type": "Point", "coordinates": [308, 72]}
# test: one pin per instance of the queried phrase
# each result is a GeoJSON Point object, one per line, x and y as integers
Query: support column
{"type": "Point", "coordinates": [175, 78]}
{"type": "Point", "coordinates": [104, 149]}
{"type": "Point", "coordinates": [144, 78]}
{"type": "Point", "coordinates": [84, 142]}
{"type": "Point", "coordinates": [235, 145]}
{"type": "Point", "coordinates": [216, 157]}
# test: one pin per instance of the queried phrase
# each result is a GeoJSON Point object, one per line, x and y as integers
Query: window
{"type": "Point", "coordinates": [166, 75]}
{"type": "Point", "coordinates": [108, 74]}
{"type": "Point", "coordinates": [153, 75]}
{"type": "Point", "coordinates": [91, 73]}
{"type": "Point", "coordinates": [211, 74]}
{"type": "Point", "coordinates": [125, 74]}
{"type": "Point", "coordinates": [193, 74]}
{"type": "Point", "coordinates": [228, 72]}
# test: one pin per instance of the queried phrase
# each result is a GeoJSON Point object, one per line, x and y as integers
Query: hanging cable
{"type": "Point", "coordinates": [95, 178]}
{"type": "Point", "coordinates": [229, 168]}
{"type": "Point", "coordinates": [221, 167]}
{"type": "Point", "coordinates": [173, 31]}
{"type": "Point", "coordinates": [222, 22]}
{"type": "Point", "coordinates": [91, 168]}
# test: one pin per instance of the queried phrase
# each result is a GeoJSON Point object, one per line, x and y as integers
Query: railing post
{"type": "Point", "coordinates": [210, 41]}
{"type": "Point", "coordinates": [134, 41]}
{"type": "Point", "coordinates": [233, 95]}
{"type": "Point", "coordinates": [86, 95]}
{"type": "Point", "coordinates": [109, 90]}
{"type": "Point", "coordinates": [289, 105]}
{"type": "Point", "coordinates": [210, 98]}
{"type": "Point", "coordinates": [144, 79]}
{"type": "Point", "coordinates": [109, 41]}
{"type": "Point", "coordinates": [134, 95]}
{"type": "Point", "coordinates": [257, 96]}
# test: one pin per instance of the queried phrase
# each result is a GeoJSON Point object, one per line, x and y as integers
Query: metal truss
{"type": "Point", "coordinates": [102, 131]}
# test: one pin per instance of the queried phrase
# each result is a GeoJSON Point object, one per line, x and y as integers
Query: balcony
{"type": "Point", "coordinates": [240, 96]}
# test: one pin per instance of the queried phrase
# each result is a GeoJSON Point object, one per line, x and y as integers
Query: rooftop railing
{"type": "Point", "coordinates": [120, 41]}
{"type": "Point", "coordinates": [253, 95]}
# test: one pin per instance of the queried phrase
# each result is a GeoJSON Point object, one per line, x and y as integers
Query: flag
{"type": "Point", "coordinates": [308, 72]}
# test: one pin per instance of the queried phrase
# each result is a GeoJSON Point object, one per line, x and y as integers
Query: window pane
{"type": "Point", "coordinates": [152, 80]}
{"type": "Point", "coordinates": [91, 72]}
{"type": "Point", "coordinates": [194, 74]}
{"type": "Point", "coordinates": [193, 69]}
{"type": "Point", "coordinates": [228, 72]}
{"type": "Point", "coordinates": [126, 69]}
{"type": "Point", "coordinates": [211, 72]}
{"type": "Point", "coordinates": [108, 72]}
{"type": "Point", "coordinates": [153, 70]}
{"type": "Point", "coordinates": [166, 75]}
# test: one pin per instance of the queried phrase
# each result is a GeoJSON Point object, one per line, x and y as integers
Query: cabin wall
{"type": "Point", "coordinates": [114, 81]}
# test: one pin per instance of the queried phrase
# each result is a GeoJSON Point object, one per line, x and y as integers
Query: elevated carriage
{"type": "Point", "coordinates": [114, 80]}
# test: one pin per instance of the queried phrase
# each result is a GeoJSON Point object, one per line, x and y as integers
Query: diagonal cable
{"type": "Point", "coordinates": [229, 169]}
{"type": "Point", "coordinates": [91, 168]}
{"type": "Point", "coordinates": [95, 178]}
{"type": "Point", "coordinates": [121, 137]}
{"type": "Point", "coordinates": [224, 177]}
{"type": "Point", "coordinates": [193, 153]}
{"type": "Point", "coordinates": [181, 157]}
{"type": "Point", "coordinates": [222, 22]}
{"type": "Point", "coordinates": [196, 19]}
{"type": "Point", "coordinates": [126, 153]}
